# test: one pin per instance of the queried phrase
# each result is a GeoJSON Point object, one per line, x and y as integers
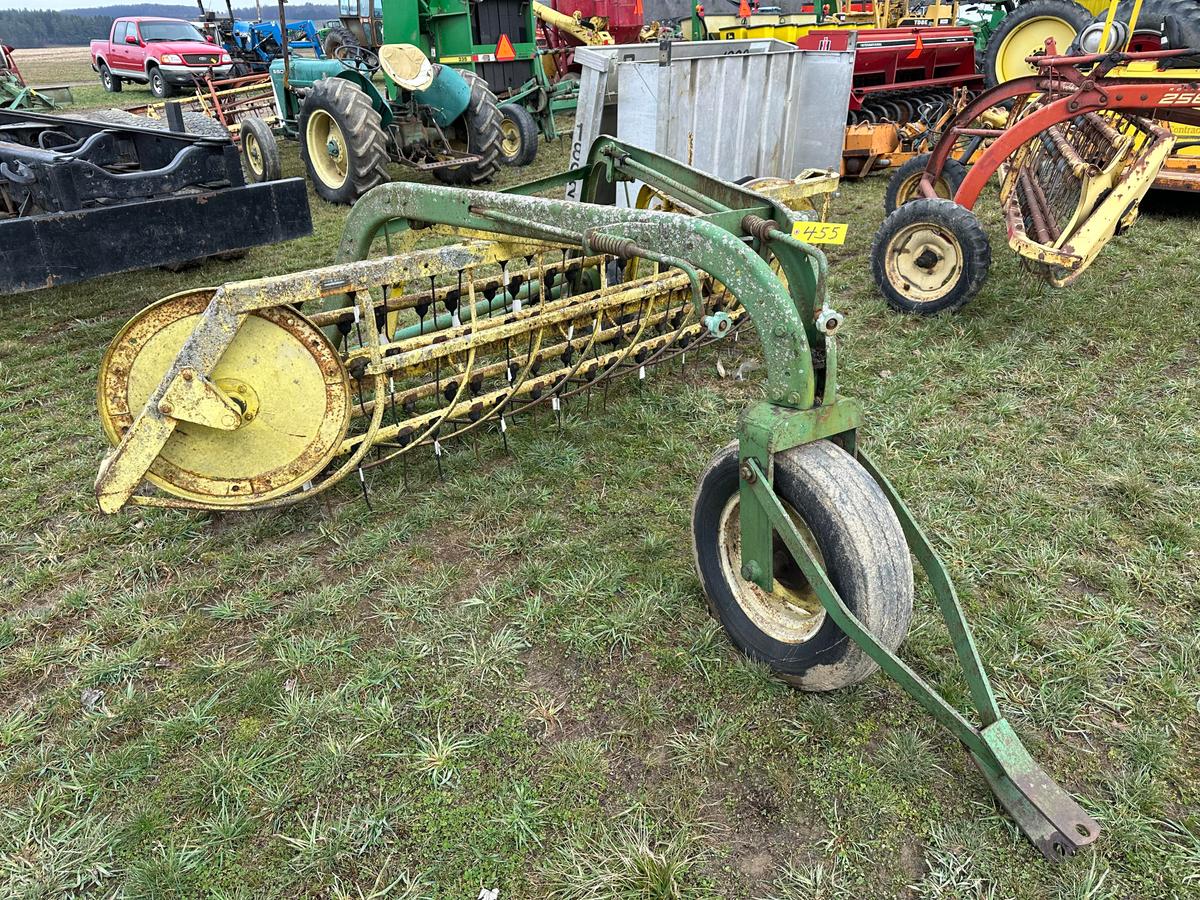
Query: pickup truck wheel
{"type": "Point", "coordinates": [111, 82]}
{"type": "Point", "coordinates": [159, 85]}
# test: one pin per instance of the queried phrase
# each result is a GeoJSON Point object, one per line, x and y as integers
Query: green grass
{"type": "Point", "coordinates": [509, 679]}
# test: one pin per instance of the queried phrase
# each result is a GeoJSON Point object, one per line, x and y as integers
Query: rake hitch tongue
{"type": "Point", "coordinates": [233, 399]}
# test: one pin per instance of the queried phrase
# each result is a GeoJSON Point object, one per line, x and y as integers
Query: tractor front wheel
{"type": "Point", "coordinates": [518, 136]}
{"type": "Point", "coordinates": [260, 151]}
{"type": "Point", "coordinates": [930, 256]}
{"type": "Point", "coordinates": [342, 141]}
{"type": "Point", "coordinates": [903, 185]}
{"type": "Point", "coordinates": [845, 519]}
{"type": "Point", "coordinates": [476, 131]}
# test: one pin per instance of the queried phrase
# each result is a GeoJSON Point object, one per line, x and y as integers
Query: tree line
{"type": "Point", "coordinates": [29, 28]}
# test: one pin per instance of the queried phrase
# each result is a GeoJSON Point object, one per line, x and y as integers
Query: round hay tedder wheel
{"type": "Point", "coordinates": [1023, 32]}
{"type": "Point", "coordinates": [930, 256]}
{"type": "Point", "coordinates": [845, 519]}
{"type": "Point", "coordinates": [280, 370]}
{"type": "Point", "coordinates": [903, 185]}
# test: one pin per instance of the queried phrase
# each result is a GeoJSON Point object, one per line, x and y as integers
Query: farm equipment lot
{"type": "Point", "coordinates": [509, 679]}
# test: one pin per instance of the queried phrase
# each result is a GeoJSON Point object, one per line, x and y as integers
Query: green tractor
{"type": "Point", "coordinates": [428, 116]}
{"type": "Point", "coordinates": [497, 40]}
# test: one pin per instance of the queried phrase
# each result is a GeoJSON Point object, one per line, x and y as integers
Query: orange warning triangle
{"type": "Point", "coordinates": [504, 49]}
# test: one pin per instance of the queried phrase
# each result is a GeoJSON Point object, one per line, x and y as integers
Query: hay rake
{"type": "Point", "coordinates": [1082, 146]}
{"type": "Point", "coordinates": [235, 399]}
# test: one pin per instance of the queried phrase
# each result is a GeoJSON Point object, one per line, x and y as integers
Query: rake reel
{"type": "Point", "coordinates": [234, 398]}
{"type": "Point", "coordinates": [1083, 144]}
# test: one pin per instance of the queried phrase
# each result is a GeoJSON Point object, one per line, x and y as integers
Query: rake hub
{"type": "Point", "coordinates": [278, 415]}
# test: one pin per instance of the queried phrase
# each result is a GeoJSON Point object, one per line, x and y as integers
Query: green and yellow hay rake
{"type": "Point", "coordinates": [264, 393]}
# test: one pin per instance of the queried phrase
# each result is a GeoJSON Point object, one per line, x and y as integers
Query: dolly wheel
{"type": "Point", "coordinates": [845, 518]}
{"type": "Point", "coordinates": [518, 136]}
{"type": "Point", "coordinates": [930, 256]}
{"type": "Point", "coordinates": [902, 186]}
{"type": "Point", "coordinates": [260, 151]}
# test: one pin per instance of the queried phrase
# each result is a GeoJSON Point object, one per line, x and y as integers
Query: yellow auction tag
{"type": "Point", "coordinates": [821, 232]}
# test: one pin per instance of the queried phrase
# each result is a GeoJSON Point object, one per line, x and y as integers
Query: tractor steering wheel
{"type": "Point", "coordinates": [357, 59]}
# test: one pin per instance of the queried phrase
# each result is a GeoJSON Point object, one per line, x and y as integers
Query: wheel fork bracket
{"type": "Point", "coordinates": [1045, 813]}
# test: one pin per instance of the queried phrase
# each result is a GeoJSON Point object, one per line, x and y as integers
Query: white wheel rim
{"type": "Point", "coordinates": [925, 260]}
{"type": "Point", "coordinates": [790, 614]}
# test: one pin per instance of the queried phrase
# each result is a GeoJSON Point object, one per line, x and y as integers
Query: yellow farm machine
{"type": "Point", "coordinates": [265, 393]}
{"type": "Point", "coordinates": [1085, 137]}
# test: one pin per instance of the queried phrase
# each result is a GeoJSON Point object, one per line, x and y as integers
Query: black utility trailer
{"type": "Point", "coordinates": [85, 197]}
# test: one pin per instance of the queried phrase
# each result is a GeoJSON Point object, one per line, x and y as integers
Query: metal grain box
{"type": "Point", "coordinates": [730, 108]}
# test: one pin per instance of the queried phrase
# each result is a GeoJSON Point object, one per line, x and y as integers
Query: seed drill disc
{"type": "Point", "coordinates": [280, 369]}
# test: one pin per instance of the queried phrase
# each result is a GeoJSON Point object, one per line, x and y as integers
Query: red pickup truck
{"type": "Point", "coordinates": [161, 52]}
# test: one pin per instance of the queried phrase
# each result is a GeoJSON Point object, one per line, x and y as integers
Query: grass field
{"type": "Point", "coordinates": [508, 679]}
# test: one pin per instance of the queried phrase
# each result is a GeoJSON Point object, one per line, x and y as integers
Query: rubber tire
{"type": "Point", "coordinates": [972, 240]}
{"type": "Point", "coordinates": [860, 539]}
{"type": "Point", "coordinates": [1186, 14]}
{"type": "Point", "coordinates": [480, 125]}
{"type": "Point", "coordinates": [110, 82]}
{"type": "Point", "coordinates": [905, 179]}
{"type": "Point", "coordinates": [338, 36]}
{"type": "Point", "coordinates": [268, 147]}
{"type": "Point", "coordinates": [367, 144]}
{"type": "Point", "coordinates": [528, 131]}
{"type": "Point", "coordinates": [165, 89]}
{"type": "Point", "coordinates": [1066, 10]}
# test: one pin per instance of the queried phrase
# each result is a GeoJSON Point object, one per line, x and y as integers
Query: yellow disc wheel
{"type": "Point", "coordinates": [510, 137]}
{"type": "Point", "coordinates": [281, 372]}
{"type": "Point", "coordinates": [1023, 32]}
{"type": "Point", "coordinates": [327, 149]}
{"type": "Point", "coordinates": [254, 157]}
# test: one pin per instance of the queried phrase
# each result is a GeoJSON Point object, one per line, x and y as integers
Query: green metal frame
{"type": "Point", "coordinates": [733, 234]}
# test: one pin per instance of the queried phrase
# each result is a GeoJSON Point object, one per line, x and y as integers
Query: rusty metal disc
{"type": "Point", "coordinates": [280, 369]}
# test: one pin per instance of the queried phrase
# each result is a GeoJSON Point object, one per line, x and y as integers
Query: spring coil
{"type": "Point", "coordinates": [622, 248]}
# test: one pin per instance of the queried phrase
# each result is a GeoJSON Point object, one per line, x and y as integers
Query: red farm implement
{"type": "Point", "coordinates": [1084, 141]}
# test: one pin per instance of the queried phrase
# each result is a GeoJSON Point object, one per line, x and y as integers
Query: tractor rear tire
{"type": "Point", "coordinates": [1024, 31]}
{"type": "Point", "coordinates": [519, 135]}
{"type": "Point", "coordinates": [902, 186]}
{"type": "Point", "coordinates": [338, 36]}
{"type": "Point", "coordinates": [260, 151]}
{"type": "Point", "coordinates": [342, 141]}
{"type": "Point", "coordinates": [857, 539]}
{"type": "Point", "coordinates": [930, 256]}
{"type": "Point", "coordinates": [477, 130]}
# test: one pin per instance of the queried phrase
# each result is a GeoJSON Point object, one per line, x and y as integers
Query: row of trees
{"type": "Point", "coordinates": [27, 28]}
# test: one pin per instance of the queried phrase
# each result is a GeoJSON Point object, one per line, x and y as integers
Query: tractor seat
{"type": "Point", "coordinates": [406, 65]}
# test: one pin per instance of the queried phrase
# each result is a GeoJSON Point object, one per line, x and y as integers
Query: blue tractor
{"type": "Point", "coordinates": [255, 45]}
